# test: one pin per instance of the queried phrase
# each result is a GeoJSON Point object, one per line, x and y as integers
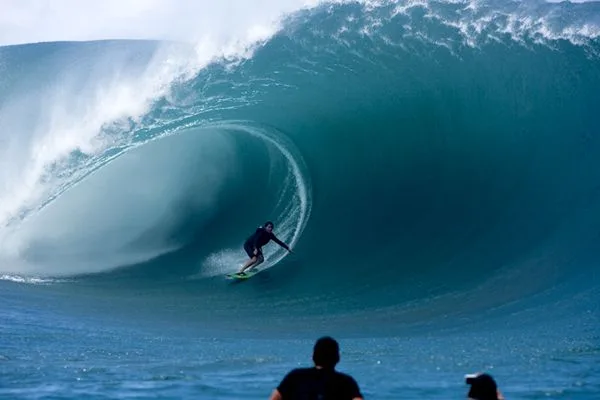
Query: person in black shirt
{"type": "Point", "coordinates": [322, 382]}
{"type": "Point", "coordinates": [253, 245]}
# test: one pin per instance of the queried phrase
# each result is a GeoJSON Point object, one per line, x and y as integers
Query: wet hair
{"type": "Point", "coordinates": [326, 352]}
{"type": "Point", "coordinates": [483, 387]}
{"type": "Point", "coordinates": [269, 223]}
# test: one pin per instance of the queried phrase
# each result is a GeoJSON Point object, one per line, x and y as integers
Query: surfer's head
{"type": "Point", "coordinates": [326, 353]}
{"type": "Point", "coordinates": [268, 226]}
{"type": "Point", "coordinates": [483, 387]}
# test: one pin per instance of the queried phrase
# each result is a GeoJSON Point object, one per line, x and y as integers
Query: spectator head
{"type": "Point", "coordinates": [483, 387]}
{"type": "Point", "coordinates": [326, 353]}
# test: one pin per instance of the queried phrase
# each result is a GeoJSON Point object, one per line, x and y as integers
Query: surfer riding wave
{"type": "Point", "coordinates": [253, 246]}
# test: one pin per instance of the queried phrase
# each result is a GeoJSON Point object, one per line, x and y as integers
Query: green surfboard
{"type": "Point", "coordinates": [246, 275]}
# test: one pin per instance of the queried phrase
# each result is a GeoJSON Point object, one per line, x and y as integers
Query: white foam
{"type": "Point", "coordinates": [479, 21]}
{"type": "Point", "coordinates": [28, 280]}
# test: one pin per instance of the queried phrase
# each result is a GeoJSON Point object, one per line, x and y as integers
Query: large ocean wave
{"type": "Point", "coordinates": [443, 153]}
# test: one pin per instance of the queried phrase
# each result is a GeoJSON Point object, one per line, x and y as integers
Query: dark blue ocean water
{"type": "Point", "coordinates": [433, 165]}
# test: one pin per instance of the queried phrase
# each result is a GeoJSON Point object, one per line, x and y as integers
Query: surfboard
{"type": "Point", "coordinates": [247, 275]}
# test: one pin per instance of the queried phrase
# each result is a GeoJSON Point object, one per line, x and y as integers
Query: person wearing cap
{"type": "Point", "coordinates": [320, 382]}
{"type": "Point", "coordinates": [253, 245]}
{"type": "Point", "coordinates": [483, 387]}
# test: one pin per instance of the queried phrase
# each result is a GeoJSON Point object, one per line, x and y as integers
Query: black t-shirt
{"type": "Point", "coordinates": [318, 384]}
{"type": "Point", "coordinates": [261, 237]}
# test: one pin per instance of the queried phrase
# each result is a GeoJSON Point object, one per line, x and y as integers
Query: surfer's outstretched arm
{"type": "Point", "coordinates": [279, 242]}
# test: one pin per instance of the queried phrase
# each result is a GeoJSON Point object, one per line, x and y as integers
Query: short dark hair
{"type": "Point", "coordinates": [326, 352]}
{"type": "Point", "coordinates": [269, 223]}
{"type": "Point", "coordinates": [483, 387]}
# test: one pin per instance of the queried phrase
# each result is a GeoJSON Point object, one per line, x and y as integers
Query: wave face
{"type": "Point", "coordinates": [413, 153]}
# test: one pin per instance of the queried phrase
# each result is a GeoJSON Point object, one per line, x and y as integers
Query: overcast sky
{"type": "Point", "coordinates": [30, 21]}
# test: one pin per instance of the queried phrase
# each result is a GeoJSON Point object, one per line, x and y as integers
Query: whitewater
{"type": "Point", "coordinates": [434, 166]}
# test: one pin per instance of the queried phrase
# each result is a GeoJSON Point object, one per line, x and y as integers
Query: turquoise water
{"type": "Point", "coordinates": [63, 350]}
{"type": "Point", "coordinates": [434, 166]}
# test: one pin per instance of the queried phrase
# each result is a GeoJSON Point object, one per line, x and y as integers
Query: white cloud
{"type": "Point", "coordinates": [30, 21]}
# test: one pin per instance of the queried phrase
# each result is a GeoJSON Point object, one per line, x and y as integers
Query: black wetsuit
{"type": "Point", "coordinates": [318, 384]}
{"type": "Point", "coordinates": [259, 239]}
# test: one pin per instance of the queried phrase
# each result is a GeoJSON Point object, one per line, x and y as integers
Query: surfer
{"type": "Point", "coordinates": [321, 381]}
{"type": "Point", "coordinates": [253, 245]}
